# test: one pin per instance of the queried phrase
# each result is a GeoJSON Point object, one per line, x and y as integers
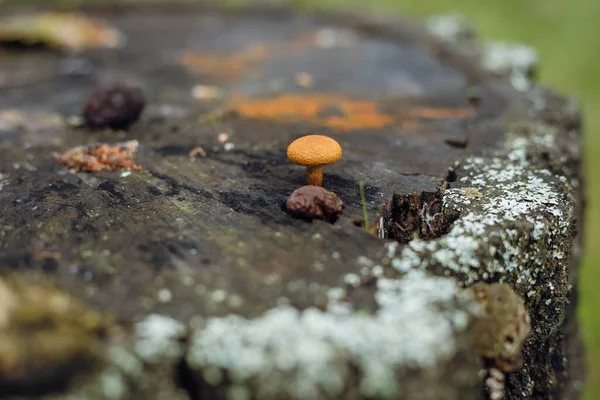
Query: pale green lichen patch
{"type": "Point", "coordinates": [470, 192]}
{"type": "Point", "coordinates": [287, 353]}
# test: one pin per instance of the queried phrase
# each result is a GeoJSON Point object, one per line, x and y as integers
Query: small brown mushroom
{"type": "Point", "coordinates": [314, 152]}
{"type": "Point", "coordinates": [314, 202]}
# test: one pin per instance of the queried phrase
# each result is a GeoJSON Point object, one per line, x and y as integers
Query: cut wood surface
{"type": "Point", "coordinates": [199, 246]}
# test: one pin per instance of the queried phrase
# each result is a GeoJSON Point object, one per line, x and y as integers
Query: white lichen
{"type": "Point", "coordinates": [515, 60]}
{"type": "Point", "coordinates": [113, 385]}
{"type": "Point", "coordinates": [449, 27]}
{"type": "Point", "coordinates": [293, 354]}
{"type": "Point", "coordinates": [484, 241]}
{"type": "Point", "coordinates": [164, 295]}
{"type": "Point", "coordinates": [352, 280]}
{"type": "Point", "coordinates": [157, 338]}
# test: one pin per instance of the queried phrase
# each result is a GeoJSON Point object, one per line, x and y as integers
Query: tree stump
{"type": "Point", "coordinates": [188, 280]}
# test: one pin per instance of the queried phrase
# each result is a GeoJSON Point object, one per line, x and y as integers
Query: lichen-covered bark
{"type": "Point", "coordinates": [217, 291]}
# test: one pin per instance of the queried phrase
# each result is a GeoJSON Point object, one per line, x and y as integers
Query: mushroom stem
{"type": "Point", "coordinates": [314, 175]}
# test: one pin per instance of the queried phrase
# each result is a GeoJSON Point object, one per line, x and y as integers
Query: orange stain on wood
{"type": "Point", "coordinates": [220, 65]}
{"type": "Point", "coordinates": [317, 108]}
{"type": "Point", "coordinates": [234, 65]}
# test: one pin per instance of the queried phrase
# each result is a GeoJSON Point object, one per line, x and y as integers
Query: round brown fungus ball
{"type": "Point", "coordinates": [314, 202]}
{"type": "Point", "coordinates": [314, 152]}
{"type": "Point", "coordinates": [115, 106]}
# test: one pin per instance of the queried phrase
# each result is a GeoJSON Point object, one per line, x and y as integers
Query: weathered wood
{"type": "Point", "coordinates": [194, 239]}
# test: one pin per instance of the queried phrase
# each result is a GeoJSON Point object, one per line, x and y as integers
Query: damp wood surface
{"type": "Point", "coordinates": [218, 219]}
{"type": "Point", "coordinates": [207, 235]}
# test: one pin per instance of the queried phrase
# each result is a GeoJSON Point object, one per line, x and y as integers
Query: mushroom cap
{"type": "Point", "coordinates": [313, 150]}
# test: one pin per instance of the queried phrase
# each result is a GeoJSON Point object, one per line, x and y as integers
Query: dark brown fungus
{"type": "Point", "coordinates": [115, 106]}
{"type": "Point", "coordinates": [313, 202]}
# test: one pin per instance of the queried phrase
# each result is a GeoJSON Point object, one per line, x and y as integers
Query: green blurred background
{"type": "Point", "coordinates": [567, 36]}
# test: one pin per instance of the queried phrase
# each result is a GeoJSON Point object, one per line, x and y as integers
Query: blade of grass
{"type": "Point", "coordinates": [363, 201]}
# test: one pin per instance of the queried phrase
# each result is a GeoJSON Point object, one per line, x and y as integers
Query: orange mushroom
{"type": "Point", "coordinates": [314, 152]}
